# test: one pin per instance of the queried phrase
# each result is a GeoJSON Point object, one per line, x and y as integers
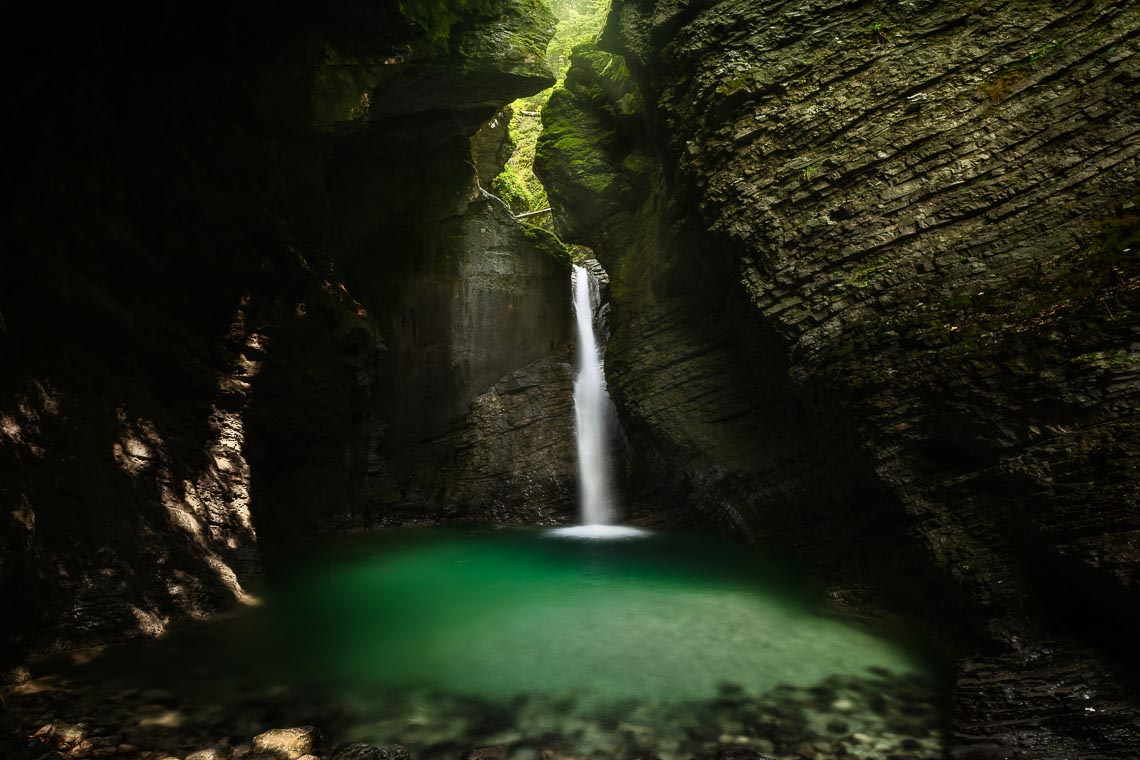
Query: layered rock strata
{"type": "Point", "coordinates": [875, 293]}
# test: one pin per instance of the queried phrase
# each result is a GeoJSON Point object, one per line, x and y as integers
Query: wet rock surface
{"type": "Point", "coordinates": [515, 456]}
{"type": "Point", "coordinates": [464, 307]}
{"type": "Point", "coordinates": [475, 391]}
{"type": "Point", "coordinates": [287, 743]}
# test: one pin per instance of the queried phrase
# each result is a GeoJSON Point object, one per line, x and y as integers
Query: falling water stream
{"type": "Point", "coordinates": [591, 407]}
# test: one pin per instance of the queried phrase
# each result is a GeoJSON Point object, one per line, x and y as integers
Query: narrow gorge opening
{"type": "Point", "coordinates": [579, 22]}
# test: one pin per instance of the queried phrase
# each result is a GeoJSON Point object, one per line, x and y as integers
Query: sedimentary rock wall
{"type": "Point", "coordinates": [875, 283]}
{"type": "Point", "coordinates": [463, 306]}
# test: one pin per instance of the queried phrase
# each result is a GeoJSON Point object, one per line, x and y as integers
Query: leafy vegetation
{"type": "Point", "coordinates": [513, 190]}
{"type": "Point", "coordinates": [877, 32]}
{"type": "Point", "coordinates": [579, 21]}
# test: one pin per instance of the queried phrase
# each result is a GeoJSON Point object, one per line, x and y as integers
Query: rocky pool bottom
{"type": "Point", "coordinates": [505, 643]}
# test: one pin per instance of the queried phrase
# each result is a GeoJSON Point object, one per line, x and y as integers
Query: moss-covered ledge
{"type": "Point", "coordinates": [587, 154]}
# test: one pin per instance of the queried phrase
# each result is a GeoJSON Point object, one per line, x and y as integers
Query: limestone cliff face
{"type": "Point", "coordinates": [463, 307]}
{"type": "Point", "coordinates": [203, 327]}
{"type": "Point", "coordinates": [875, 302]}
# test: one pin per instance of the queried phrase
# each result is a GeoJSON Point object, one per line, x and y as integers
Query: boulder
{"type": "Point", "coordinates": [61, 735]}
{"type": "Point", "coordinates": [287, 743]}
{"type": "Point", "coordinates": [220, 752]}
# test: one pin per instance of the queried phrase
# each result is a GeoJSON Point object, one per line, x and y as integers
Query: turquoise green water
{"type": "Point", "coordinates": [509, 613]}
{"type": "Point", "coordinates": [447, 638]}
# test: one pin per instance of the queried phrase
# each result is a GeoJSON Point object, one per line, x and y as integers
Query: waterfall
{"type": "Point", "coordinates": [591, 407]}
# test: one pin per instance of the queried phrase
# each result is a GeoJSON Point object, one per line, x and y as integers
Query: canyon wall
{"type": "Point", "coordinates": [250, 289]}
{"type": "Point", "coordinates": [875, 288]}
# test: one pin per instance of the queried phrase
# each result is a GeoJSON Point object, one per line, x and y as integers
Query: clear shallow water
{"type": "Point", "coordinates": [441, 639]}
{"type": "Point", "coordinates": [499, 615]}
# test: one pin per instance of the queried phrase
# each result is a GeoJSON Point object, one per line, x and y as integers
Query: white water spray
{"type": "Point", "coordinates": [591, 407]}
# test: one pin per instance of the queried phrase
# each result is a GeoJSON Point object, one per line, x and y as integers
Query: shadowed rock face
{"type": "Point", "coordinates": [877, 306]}
{"type": "Point", "coordinates": [463, 306]}
{"type": "Point", "coordinates": [200, 296]}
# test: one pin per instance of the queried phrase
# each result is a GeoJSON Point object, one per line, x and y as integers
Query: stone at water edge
{"type": "Point", "coordinates": [496, 752]}
{"type": "Point", "coordinates": [60, 735]}
{"type": "Point", "coordinates": [213, 753]}
{"type": "Point", "coordinates": [19, 674]}
{"type": "Point", "coordinates": [361, 751]}
{"type": "Point", "coordinates": [740, 753]}
{"type": "Point", "coordinates": [289, 743]}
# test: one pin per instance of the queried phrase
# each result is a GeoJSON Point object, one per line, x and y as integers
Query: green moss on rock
{"type": "Point", "coordinates": [605, 80]}
{"type": "Point", "coordinates": [510, 187]}
{"type": "Point", "coordinates": [585, 154]}
{"type": "Point", "coordinates": [547, 242]}
{"type": "Point", "coordinates": [436, 17]}
{"type": "Point", "coordinates": [515, 36]}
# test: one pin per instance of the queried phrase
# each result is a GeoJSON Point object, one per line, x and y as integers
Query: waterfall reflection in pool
{"type": "Point", "coordinates": [445, 638]}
